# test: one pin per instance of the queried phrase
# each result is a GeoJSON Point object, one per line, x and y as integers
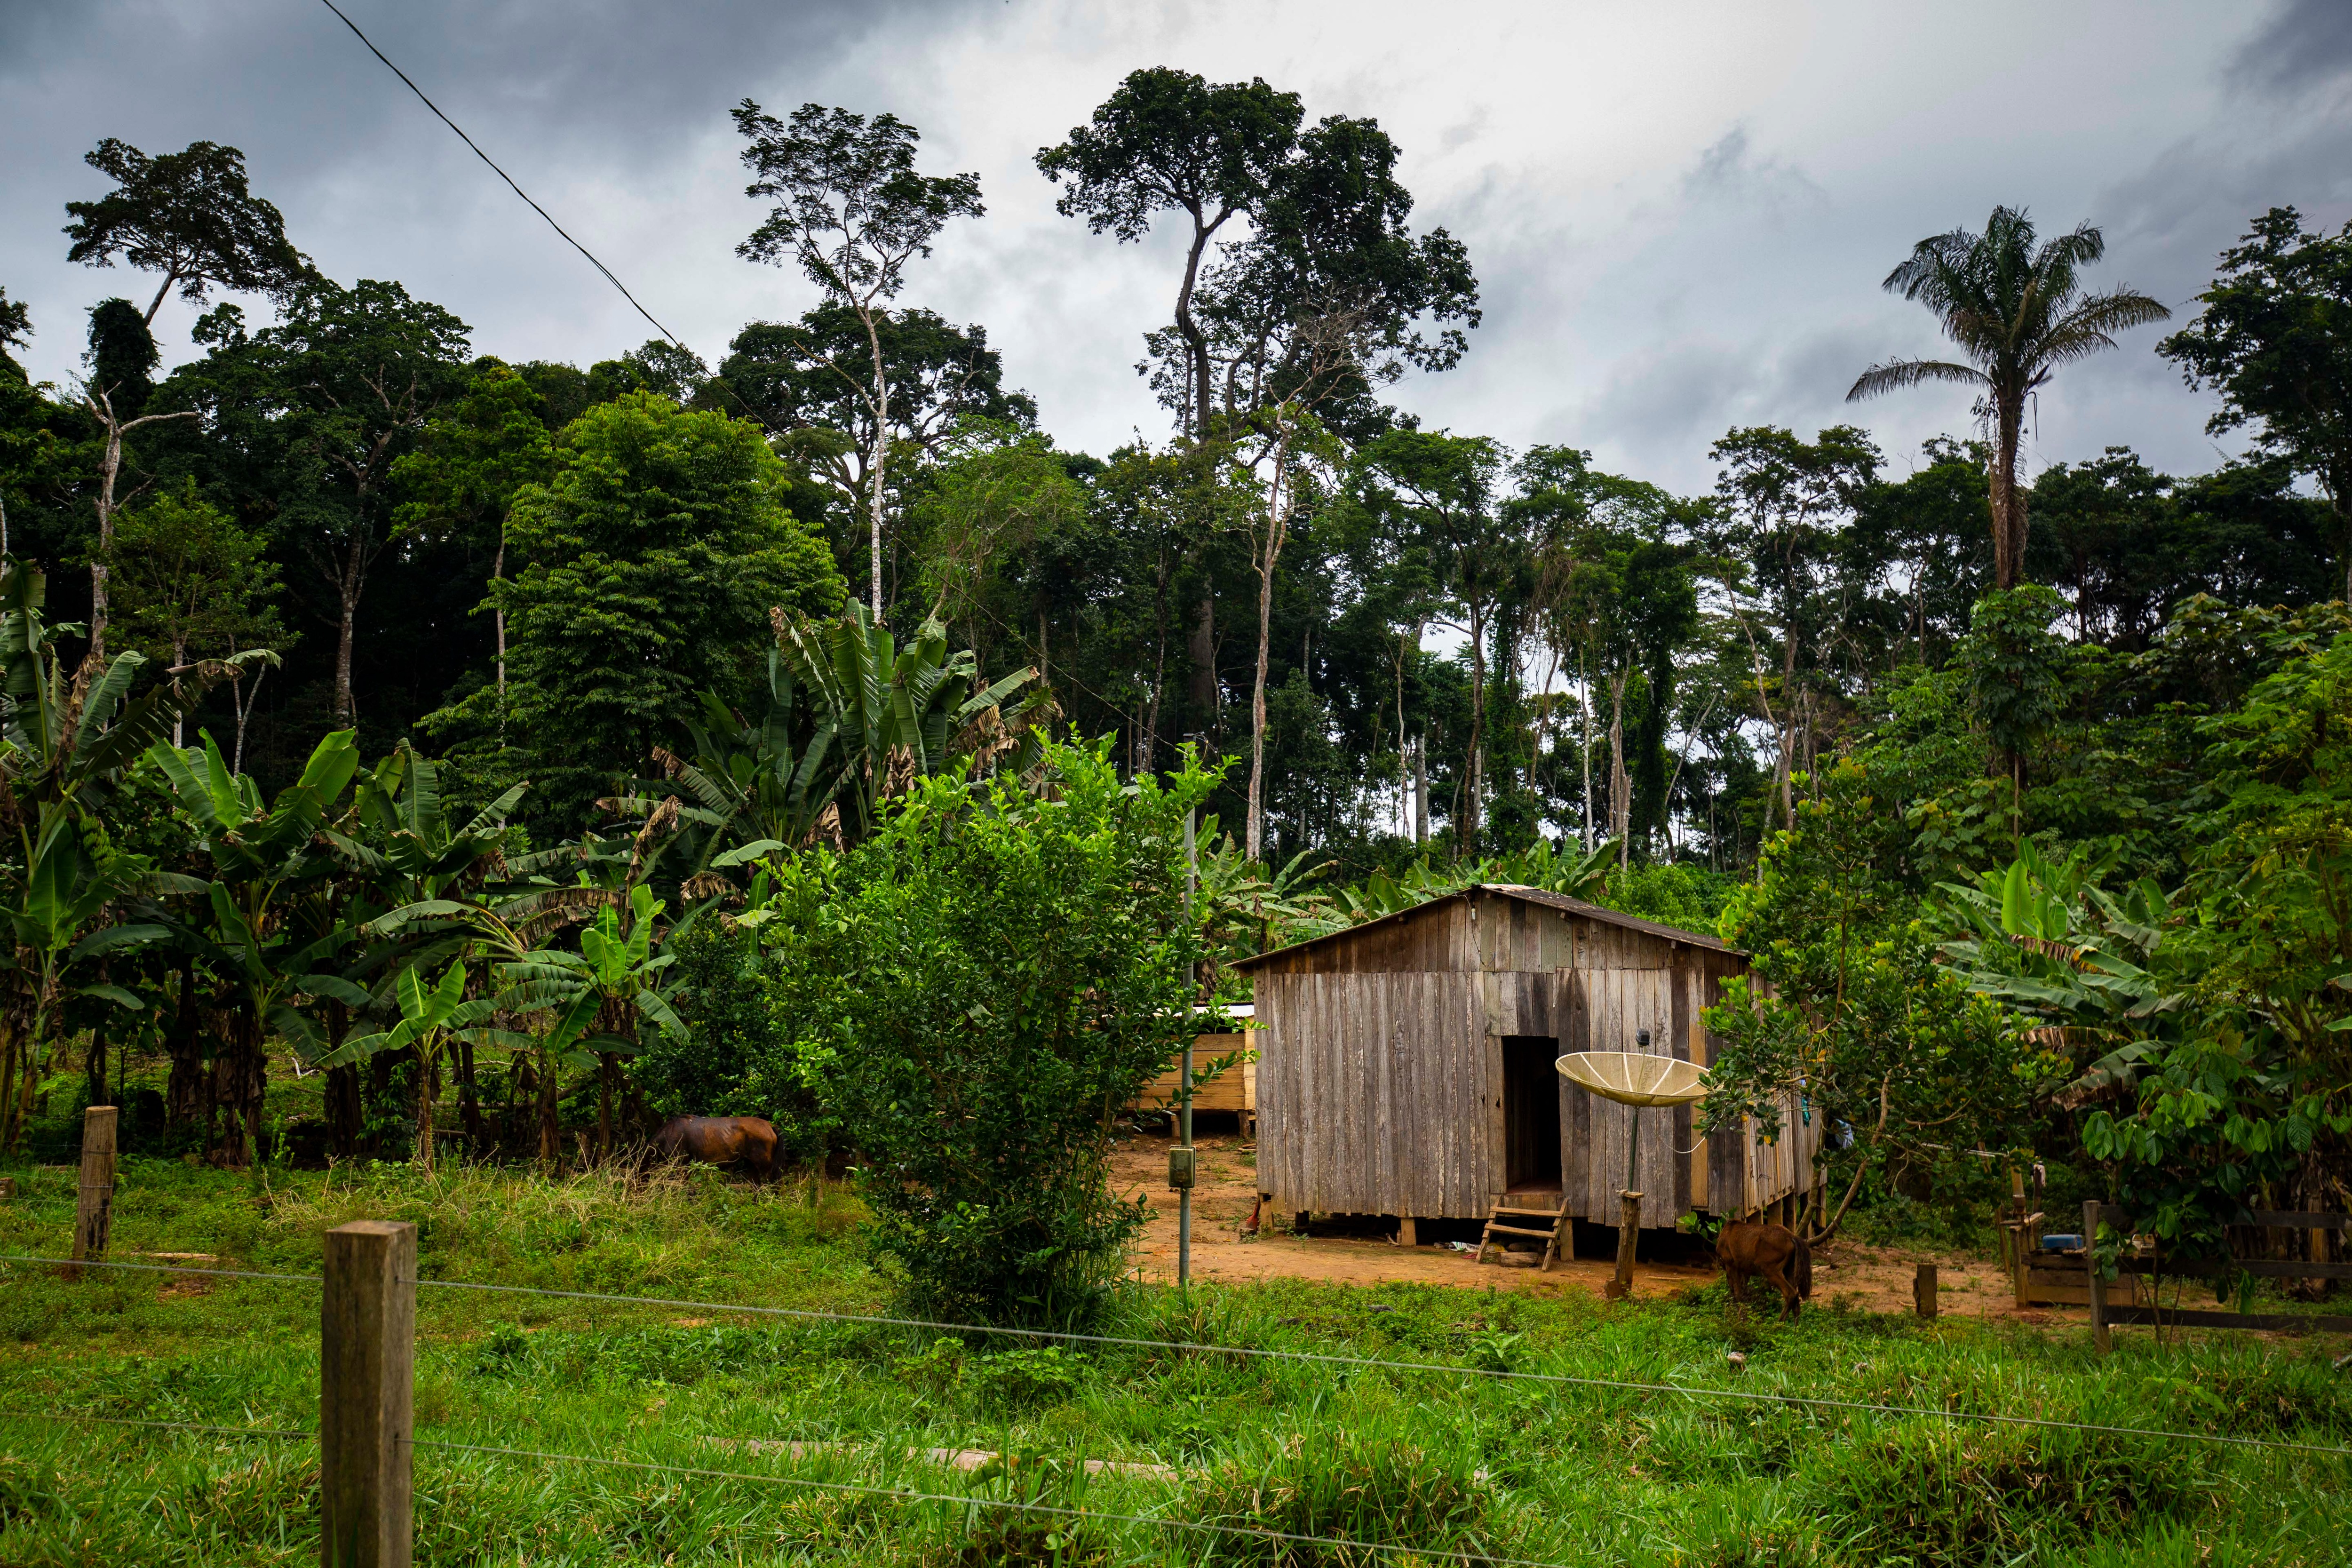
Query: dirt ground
{"type": "Point", "coordinates": [1869, 1279]}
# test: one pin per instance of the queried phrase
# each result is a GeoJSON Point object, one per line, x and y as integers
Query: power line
{"type": "Point", "coordinates": [501, 173]}
{"type": "Point", "coordinates": [667, 336]}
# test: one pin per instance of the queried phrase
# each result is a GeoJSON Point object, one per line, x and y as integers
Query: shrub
{"type": "Point", "coordinates": [975, 991]}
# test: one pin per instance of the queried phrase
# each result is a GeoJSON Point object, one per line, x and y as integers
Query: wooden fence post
{"type": "Point", "coordinates": [2096, 1286]}
{"type": "Point", "coordinates": [367, 1340]}
{"type": "Point", "coordinates": [1923, 1290]}
{"type": "Point", "coordinates": [94, 1204]}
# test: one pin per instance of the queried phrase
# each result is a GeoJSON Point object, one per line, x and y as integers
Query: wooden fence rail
{"type": "Point", "coordinates": [2104, 1317]}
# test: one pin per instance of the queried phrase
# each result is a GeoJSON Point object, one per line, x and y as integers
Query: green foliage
{"type": "Point", "coordinates": [643, 572]}
{"type": "Point", "coordinates": [1861, 1026]}
{"type": "Point", "coordinates": [186, 215]}
{"type": "Point", "coordinates": [122, 357]}
{"type": "Point", "coordinates": [185, 581]}
{"type": "Point", "coordinates": [2275, 338]}
{"type": "Point", "coordinates": [976, 990]}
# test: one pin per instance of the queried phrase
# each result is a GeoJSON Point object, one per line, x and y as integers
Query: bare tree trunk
{"type": "Point", "coordinates": [179, 660]}
{"type": "Point", "coordinates": [2008, 504]}
{"type": "Point", "coordinates": [1278, 525]}
{"type": "Point", "coordinates": [243, 702]}
{"type": "Point", "coordinates": [424, 1114]}
{"type": "Point", "coordinates": [878, 469]}
{"type": "Point", "coordinates": [1404, 747]}
{"type": "Point", "coordinates": [347, 588]}
{"type": "Point", "coordinates": [604, 1107]}
{"type": "Point", "coordinates": [1421, 788]}
{"type": "Point", "coordinates": [1202, 649]}
{"type": "Point", "coordinates": [1788, 731]}
{"type": "Point", "coordinates": [550, 1145]}
{"type": "Point", "coordinates": [110, 470]}
{"type": "Point", "coordinates": [1584, 700]}
{"type": "Point", "coordinates": [498, 618]}
{"type": "Point", "coordinates": [1621, 787]}
{"type": "Point", "coordinates": [1158, 665]}
{"type": "Point", "coordinates": [1467, 843]}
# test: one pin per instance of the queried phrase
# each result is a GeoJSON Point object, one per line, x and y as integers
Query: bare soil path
{"type": "Point", "coordinates": [1870, 1279]}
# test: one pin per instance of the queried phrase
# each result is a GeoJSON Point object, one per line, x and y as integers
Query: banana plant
{"type": "Point", "coordinates": [750, 788]}
{"type": "Point", "coordinates": [887, 714]}
{"type": "Point", "coordinates": [264, 858]}
{"type": "Point", "coordinates": [2045, 938]}
{"type": "Point", "coordinates": [401, 847]}
{"type": "Point", "coordinates": [599, 996]}
{"type": "Point", "coordinates": [431, 1018]}
{"type": "Point", "coordinates": [65, 741]}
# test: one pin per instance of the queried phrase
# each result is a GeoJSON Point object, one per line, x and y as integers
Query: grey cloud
{"type": "Point", "coordinates": [2305, 44]}
{"type": "Point", "coordinates": [1729, 171]}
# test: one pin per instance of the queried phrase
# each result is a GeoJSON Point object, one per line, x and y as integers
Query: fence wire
{"type": "Point", "coordinates": [167, 1425]}
{"type": "Point", "coordinates": [159, 1268]}
{"type": "Point", "coordinates": [966, 1500]}
{"type": "Point", "coordinates": [1760, 1396]}
{"type": "Point", "coordinates": [1563, 1379]}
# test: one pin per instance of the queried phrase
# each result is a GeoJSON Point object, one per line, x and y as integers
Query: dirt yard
{"type": "Point", "coordinates": [1868, 1279]}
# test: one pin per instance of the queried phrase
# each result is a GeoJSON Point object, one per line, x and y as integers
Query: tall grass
{"type": "Point", "coordinates": [1428, 1460]}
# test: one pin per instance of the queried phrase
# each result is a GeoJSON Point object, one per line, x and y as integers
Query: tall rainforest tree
{"type": "Point", "coordinates": [313, 413]}
{"type": "Point", "coordinates": [647, 566]}
{"type": "Point", "coordinates": [810, 380]}
{"type": "Point", "coordinates": [2016, 309]}
{"type": "Point", "coordinates": [193, 584]}
{"type": "Point", "coordinates": [2275, 338]}
{"type": "Point", "coordinates": [1785, 502]}
{"type": "Point", "coordinates": [121, 359]}
{"type": "Point", "coordinates": [472, 462]}
{"type": "Point", "coordinates": [1169, 141]}
{"type": "Point", "coordinates": [1440, 490]}
{"type": "Point", "coordinates": [188, 215]}
{"type": "Point", "coordinates": [852, 213]}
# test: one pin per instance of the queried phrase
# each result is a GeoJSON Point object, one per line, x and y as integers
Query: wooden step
{"type": "Point", "coordinates": [1536, 1214]}
{"type": "Point", "coordinates": [1492, 1229]}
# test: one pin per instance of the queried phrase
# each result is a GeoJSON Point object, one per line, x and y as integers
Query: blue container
{"type": "Point", "coordinates": [2061, 1244]}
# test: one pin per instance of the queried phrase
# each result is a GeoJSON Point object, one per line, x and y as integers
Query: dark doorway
{"type": "Point", "coordinates": [1531, 1112]}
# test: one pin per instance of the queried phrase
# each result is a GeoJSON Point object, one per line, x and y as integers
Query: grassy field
{"type": "Point", "coordinates": [1492, 1467]}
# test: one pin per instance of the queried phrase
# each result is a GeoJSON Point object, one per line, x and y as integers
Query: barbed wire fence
{"type": "Point", "coordinates": [367, 1444]}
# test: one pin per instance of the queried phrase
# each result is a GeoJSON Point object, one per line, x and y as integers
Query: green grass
{"type": "Point", "coordinates": [1551, 1472]}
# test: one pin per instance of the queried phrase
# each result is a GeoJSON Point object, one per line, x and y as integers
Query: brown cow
{"type": "Point", "coordinates": [746, 1140]}
{"type": "Point", "coordinates": [1747, 1247]}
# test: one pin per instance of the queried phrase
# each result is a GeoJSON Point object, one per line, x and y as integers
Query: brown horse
{"type": "Point", "coordinates": [1747, 1247]}
{"type": "Point", "coordinates": [748, 1141]}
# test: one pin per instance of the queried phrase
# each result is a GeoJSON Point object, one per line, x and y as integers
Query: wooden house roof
{"type": "Point", "coordinates": [1536, 896]}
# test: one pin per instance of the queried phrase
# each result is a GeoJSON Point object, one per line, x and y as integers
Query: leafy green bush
{"type": "Point", "coordinates": [975, 991]}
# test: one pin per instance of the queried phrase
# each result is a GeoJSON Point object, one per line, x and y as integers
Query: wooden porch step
{"type": "Point", "coordinates": [1553, 1232]}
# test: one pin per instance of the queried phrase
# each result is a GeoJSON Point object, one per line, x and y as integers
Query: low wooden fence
{"type": "Point", "coordinates": [2106, 1314]}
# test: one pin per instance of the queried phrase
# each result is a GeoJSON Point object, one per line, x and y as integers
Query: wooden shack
{"type": "Point", "coordinates": [1231, 1092]}
{"type": "Point", "coordinates": [1405, 1066]}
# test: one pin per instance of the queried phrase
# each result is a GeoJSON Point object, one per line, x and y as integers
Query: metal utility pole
{"type": "Point", "coordinates": [1183, 1164]}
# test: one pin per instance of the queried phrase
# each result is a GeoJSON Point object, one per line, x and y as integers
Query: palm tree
{"type": "Point", "coordinates": [2017, 312]}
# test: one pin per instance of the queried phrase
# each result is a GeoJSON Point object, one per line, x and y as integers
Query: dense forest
{"type": "Point", "coordinates": [2029, 791]}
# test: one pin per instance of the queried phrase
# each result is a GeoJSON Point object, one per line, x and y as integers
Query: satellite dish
{"type": "Point", "coordinates": [1630, 1077]}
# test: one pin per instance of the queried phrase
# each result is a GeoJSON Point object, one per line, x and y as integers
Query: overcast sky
{"type": "Point", "coordinates": [1680, 214]}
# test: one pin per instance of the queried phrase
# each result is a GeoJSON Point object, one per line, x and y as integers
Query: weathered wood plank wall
{"type": "Point", "coordinates": [1379, 1086]}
